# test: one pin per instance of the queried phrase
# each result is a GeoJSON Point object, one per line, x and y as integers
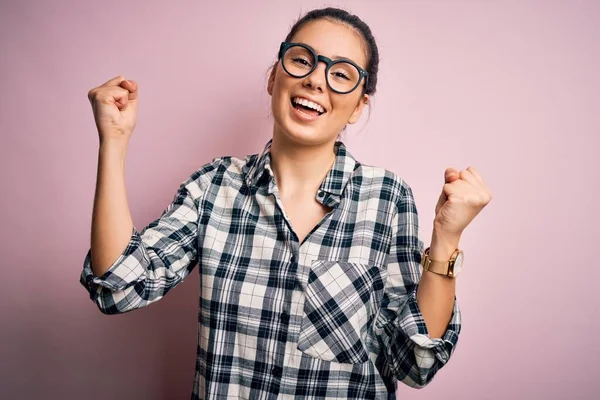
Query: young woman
{"type": "Point", "coordinates": [309, 260]}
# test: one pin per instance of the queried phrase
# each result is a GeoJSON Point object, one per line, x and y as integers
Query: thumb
{"type": "Point", "coordinates": [450, 175]}
{"type": "Point", "coordinates": [131, 87]}
{"type": "Point", "coordinates": [441, 201]}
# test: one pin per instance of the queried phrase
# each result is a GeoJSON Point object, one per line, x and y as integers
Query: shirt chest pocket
{"type": "Point", "coordinates": [339, 305]}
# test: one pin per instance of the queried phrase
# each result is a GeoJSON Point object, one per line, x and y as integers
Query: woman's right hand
{"type": "Point", "coordinates": [115, 106]}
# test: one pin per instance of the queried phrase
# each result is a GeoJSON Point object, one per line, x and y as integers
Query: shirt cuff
{"type": "Point", "coordinates": [127, 269]}
{"type": "Point", "coordinates": [411, 323]}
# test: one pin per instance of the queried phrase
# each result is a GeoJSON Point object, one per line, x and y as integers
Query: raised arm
{"type": "Point", "coordinates": [115, 111]}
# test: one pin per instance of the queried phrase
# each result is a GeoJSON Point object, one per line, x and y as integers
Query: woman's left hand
{"type": "Point", "coordinates": [463, 196]}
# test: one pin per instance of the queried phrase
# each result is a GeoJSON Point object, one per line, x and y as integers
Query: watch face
{"type": "Point", "coordinates": [458, 264]}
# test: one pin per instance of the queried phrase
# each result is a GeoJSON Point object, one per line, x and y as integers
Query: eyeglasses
{"type": "Point", "coordinates": [300, 60]}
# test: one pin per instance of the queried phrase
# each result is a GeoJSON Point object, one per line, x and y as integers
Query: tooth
{"type": "Point", "coordinates": [307, 103]}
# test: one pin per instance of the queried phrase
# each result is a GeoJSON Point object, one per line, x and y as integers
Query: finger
{"type": "Point", "coordinates": [476, 174]}
{"type": "Point", "coordinates": [114, 81]}
{"type": "Point", "coordinates": [132, 87]}
{"type": "Point", "coordinates": [455, 188]}
{"type": "Point", "coordinates": [450, 175]}
{"type": "Point", "coordinates": [467, 176]}
{"type": "Point", "coordinates": [113, 95]}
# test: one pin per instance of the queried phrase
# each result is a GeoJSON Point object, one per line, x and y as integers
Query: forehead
{"type": "Point", "coordinates": [333, 39]}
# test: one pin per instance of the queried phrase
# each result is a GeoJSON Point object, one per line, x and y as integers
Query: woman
{"type": "Point", "coordinates": [309, 260]}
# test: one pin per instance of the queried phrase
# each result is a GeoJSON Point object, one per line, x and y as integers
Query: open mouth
{"type": "Point", "coordinates": [308, 107]}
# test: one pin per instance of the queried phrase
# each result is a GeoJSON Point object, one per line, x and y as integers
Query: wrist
{"type": "Point", "coordinates": [443, 245]}
{"type": "Point", "coordinates": [113, 149]}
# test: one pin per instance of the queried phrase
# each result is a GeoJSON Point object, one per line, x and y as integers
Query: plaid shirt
{"type": "Point", "coordinates": [333, 317]}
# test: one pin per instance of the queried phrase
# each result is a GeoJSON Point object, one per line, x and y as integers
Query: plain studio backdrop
{"type": "Point", "coordinates": [510, 87]}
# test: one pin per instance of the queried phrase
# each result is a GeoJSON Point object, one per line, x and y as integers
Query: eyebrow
{"type": "Point", "coordinates": [334, 57]}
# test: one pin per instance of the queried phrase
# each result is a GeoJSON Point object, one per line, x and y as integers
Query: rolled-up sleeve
{"type": "Point", "coordinates": [411, 354]}
{"type": "Point", "coordinates": [155, 260]}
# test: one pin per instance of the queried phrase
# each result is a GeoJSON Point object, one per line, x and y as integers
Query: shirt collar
{"type": "Point", "coordinates": [333, 184]}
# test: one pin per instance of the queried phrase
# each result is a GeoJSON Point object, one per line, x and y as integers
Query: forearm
{"type": "Point", "coordinates": [435, 295]}
{"type": "Point", "coordinates": [111, 219]}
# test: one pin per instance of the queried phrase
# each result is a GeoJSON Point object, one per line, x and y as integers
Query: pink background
{"type": "Point", "coordinates": [510, 87]}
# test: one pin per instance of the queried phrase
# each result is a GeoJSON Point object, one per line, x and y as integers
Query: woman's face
{"type": "Point", "coordinates": [332, 40]}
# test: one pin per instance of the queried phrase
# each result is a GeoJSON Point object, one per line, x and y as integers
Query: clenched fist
{"type": "Point", "coordinates": [115, 106]}
{"type": "Point", "coordinates": [463, 196]}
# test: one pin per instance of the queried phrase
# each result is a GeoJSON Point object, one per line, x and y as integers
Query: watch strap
{"type": "Point", "coordinates": [445, 268]}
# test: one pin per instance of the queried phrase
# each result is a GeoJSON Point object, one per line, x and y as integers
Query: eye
{"type": "Point", "coordinates": [341, 74]}
{"type": "Point", "coordinates": [302, 61]}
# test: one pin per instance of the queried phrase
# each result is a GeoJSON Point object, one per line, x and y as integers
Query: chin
{"type": "Point", "coordinates": [303, 135]}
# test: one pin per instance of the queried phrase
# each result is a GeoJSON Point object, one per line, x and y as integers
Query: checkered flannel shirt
{"type": "Point", "coordinates": [333, 317]}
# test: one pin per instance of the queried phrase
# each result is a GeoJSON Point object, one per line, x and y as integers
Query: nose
{"type": "Point", "coordinates": [316, 79]}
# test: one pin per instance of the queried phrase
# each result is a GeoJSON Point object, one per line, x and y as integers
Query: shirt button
{"type": "Point", "coordinates": [284, 317]}
{"type": "Point", "coordinates": [276, 371]}
{"type": "Point", "coordinates": [321, 194]}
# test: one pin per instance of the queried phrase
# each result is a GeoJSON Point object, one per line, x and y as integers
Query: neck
{"type": "Point", "coordinates": [300, 169]}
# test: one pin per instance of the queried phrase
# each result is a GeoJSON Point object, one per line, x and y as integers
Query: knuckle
{"type": "Point", "coordinates": [104, 97]}
{"type": "Point", "coordinates": [483, 198]}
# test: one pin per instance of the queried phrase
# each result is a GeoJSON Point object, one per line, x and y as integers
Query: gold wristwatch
{"type": "Point", "coordinates": [450, 268]}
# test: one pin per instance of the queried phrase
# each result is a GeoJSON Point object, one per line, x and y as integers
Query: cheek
{"type": "Point", "coordinates": [282, 79]}
{"type": "Point", "coordinates": [343, 107]}
{"type": "Point", "coordinates": [281, 88]}
{"type": "Point", "coordinates": [280, 98]}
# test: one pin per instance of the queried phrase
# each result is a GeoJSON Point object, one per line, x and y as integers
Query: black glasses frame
{"type": "Point", "coordinates": [328, 61]}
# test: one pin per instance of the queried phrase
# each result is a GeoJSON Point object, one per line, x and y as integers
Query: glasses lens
{"type": "Point", "coordinates": [343, 77]}
{"type": "Point", "coordinates": [298, 61]}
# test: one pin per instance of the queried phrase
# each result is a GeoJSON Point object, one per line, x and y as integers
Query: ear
{"type": "Point", "coordinates": [271, 81]}
{"type": "Point", "coordinates": [364, 100]}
